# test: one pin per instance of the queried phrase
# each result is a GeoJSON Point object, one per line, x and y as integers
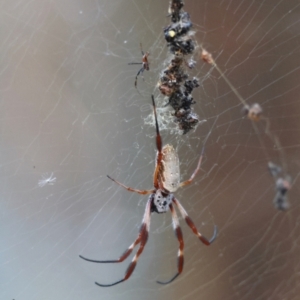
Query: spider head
{"type": "Point", "coordinates": [160, 201]}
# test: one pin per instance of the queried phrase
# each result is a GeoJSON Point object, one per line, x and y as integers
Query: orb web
{"type": "Point", "coordinates": [69, 108]}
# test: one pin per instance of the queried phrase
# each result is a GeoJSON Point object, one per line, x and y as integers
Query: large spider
{"type": "Point", "coordinates": [144, 63]}
{"type": "Point", "coordinates": [166, 181]}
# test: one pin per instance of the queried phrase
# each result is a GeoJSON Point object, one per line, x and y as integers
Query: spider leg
{"type": "Point", "coordinates": [141, 192]}
{"type": "Point", "coordinates": [142, 49]}
{"type": "Point", "coordinates": [191, 224]}
{"type": "Point", "coordinates": [179, 236]}
{"type": "Point", "coordinates": [158, 137]}
{"type": "Point", "coordinates": [158, 147]}
{"type": "Point", "coordinates": [123, 256]}
{"type": "Point", "coordinates": [137, 75]}
{"type": "Point", "coordinates": [187, 182]}
{"type": "Point", "coordinates": [143, 235]}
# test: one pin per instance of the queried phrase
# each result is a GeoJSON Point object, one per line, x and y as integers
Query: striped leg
{"type": "Point", "coordinates": [191, 224]}
{"type": "Point", "coordinates": [179, 236]}
{"type": "Point", "coordinates": [142, 239]}
{"type": "Point", "coordinates": [140, 72]}
{"type": "Point", "coordinates": [124, 255]}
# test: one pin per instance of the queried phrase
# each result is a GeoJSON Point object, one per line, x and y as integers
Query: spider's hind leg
{"type": "Point", "coordinates": [142, 240]}
{"type": "Point", "coordinates": [140, 72]}
{"type": "Point", "coordinates": [191, 224]}
{"type": "Point", "coordinates": [179, 236]}
{"type": "Point", "coordinates": [123, 256]}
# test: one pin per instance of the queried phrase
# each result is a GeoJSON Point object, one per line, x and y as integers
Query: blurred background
{"type": "Point", "coordinates": [70, 115]}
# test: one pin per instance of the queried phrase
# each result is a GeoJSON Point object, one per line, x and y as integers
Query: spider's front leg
{"type": "Point", "coordinates": [141, 192]}
{"type": "Point", "coordinates": [189, 181]}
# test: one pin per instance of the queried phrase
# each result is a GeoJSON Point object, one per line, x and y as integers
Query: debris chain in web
{"type": "Point", "coordinates": [254, 112]}
{"type": "Point", "coordinates": [174, 81]}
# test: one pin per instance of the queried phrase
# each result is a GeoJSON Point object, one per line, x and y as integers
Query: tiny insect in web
{"type": "Point", "coordinates": [144, 63]}
{"type": "Point", "coordinates": [166, 181]}
{"type": "Point", "coordinates": [282, 186]}
{"type": "Point", "coordinates": [253, 111]}
{"type": "Point", "coordinates": [50, 180]}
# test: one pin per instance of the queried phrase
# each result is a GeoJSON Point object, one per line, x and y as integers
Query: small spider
{"type": "Point", "coordinates": [47, 180]}
{"type": "Point", "coordinates": [144, 63]}
{"type": "Point", "coordinates": [166, 180]}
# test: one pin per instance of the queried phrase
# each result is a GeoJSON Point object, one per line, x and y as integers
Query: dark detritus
{"type": "Point", "coordinates": [186, 119]}
{"type": "Point", "coordinates": [175, 9]}
{"type": "Point", "coordinates": [174, 81]}
{"type": "Point", "coordinates": [178, 29]}
{"type": "Point", "coordinates": [282, 186]}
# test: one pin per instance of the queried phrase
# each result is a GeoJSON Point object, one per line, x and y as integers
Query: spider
{"type": "Point", "coordinates": [166, 181]}
{"type": "Point", "coordinates": [144, 63]}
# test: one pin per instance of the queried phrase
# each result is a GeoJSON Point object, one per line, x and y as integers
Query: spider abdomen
{"type": "Point", "coordinates": [170, 169]}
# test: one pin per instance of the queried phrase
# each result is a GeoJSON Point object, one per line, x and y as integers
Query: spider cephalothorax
{"type": "Point", "coordinates": [166, 181]}
{"type": "Point", "coordinates": [161, 201]}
